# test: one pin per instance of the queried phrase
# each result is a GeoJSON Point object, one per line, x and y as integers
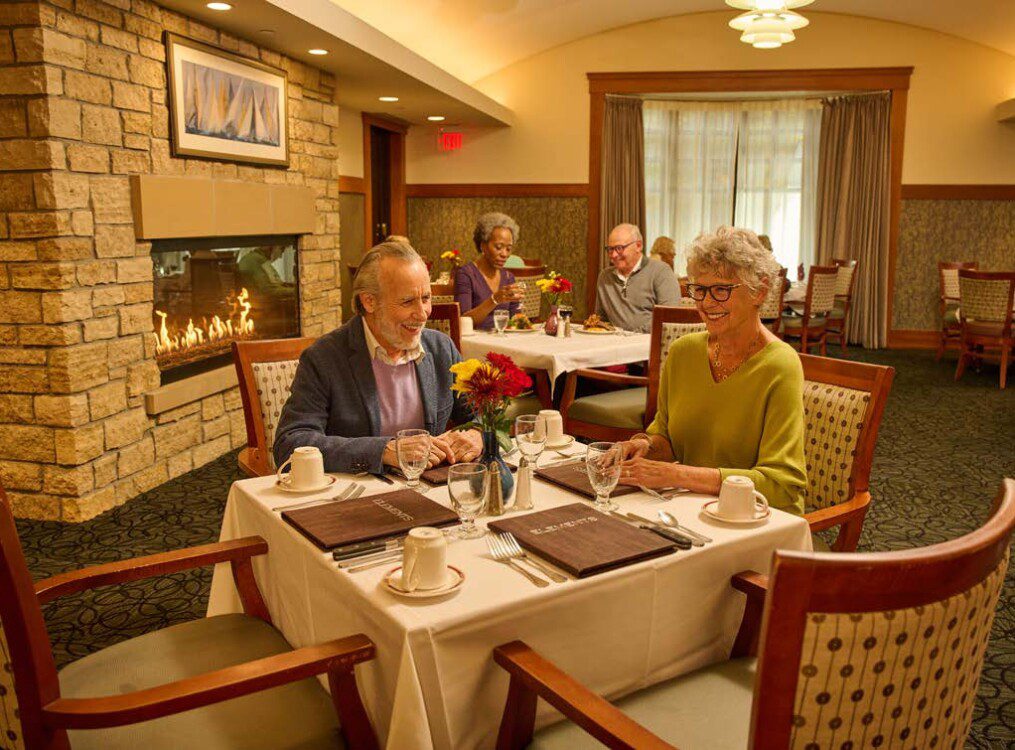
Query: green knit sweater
{"type": "Point", "coordinates": [751, 424]}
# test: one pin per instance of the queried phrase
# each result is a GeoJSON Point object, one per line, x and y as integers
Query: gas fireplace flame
{"type": "Point", "coordinates": [193, 336]}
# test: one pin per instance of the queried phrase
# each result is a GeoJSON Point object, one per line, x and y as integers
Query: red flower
{"type": "Point", "coordinates": [514, 381]}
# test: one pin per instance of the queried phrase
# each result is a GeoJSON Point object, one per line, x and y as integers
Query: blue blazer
{"type": "Point", "coordinates": [334, 404]}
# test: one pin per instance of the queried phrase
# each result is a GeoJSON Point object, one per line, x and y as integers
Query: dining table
{"type": "Point", "coordinates": [433, 683]}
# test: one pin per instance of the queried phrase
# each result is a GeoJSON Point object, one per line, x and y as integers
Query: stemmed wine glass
{"type": "Point", "coordinates": [603, 462]}
{"type": "Point", "coordinates": [413, 450]}
{"type": "Point", "coordinates": [500, 320]}
{"type": "Point", "coordinates": [467, 489]}
{"type": "Point", "coordinates": [530, 437]}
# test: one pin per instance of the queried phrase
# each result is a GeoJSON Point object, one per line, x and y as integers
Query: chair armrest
{"type": "Point", "coordinates": [752, 583]}
{"type": "Point", "coordinates": [755, 586]}
{"type": "Point", "coordinates": [149, 566]}
{"type": "Point", "coordinates": [836, 515]}
{"type": "Point", "coordinates": [594, 714]}
{"type": "Point", "coordinates": [213, 687]}
{"type": "Point", "coordinates": [615, 378]}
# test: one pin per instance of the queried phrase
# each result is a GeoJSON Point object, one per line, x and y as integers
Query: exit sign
{"type": "Point", "coordinates": [449, 140]}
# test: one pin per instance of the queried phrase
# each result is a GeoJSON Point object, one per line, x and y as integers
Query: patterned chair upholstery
{"type": "Point", "coordinates": [986, 318]}
{"type": "Point", "coordinates": [771, 309]}
{"type": "Point", "coordinates": [532, 299]}
{"type": "Point", "coordinates": [838, 317]}
{"type": "Point", "coordinates": [11, 736]}
{"type": "Point", "coordinates": [949, 302]}
{"type": "Point", "coordinates": [880, 650]}
{"type": "Point", "coordinates": [273, 381]}
{"type": "Point", "coordinates": [811, 326]}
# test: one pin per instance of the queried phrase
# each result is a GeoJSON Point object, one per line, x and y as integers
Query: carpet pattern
{"type": "Point", "coordinates": [942, 451]}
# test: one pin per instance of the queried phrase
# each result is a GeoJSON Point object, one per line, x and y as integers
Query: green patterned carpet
{"type": "Point", "coordinates": [943, 449]}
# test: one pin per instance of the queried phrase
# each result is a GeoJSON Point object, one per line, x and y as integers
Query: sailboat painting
{"type": "Point", "coordinates": [224, 106]}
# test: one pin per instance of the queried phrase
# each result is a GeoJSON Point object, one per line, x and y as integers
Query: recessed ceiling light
{"type": "Point", "coordinates": [219, 6]}
{"type": "Point", "coordinates": [387, 98]}
{"type": "Point", "coordinates": [436, 118]}
{"type": "Point", "coordinates": [317, 51]}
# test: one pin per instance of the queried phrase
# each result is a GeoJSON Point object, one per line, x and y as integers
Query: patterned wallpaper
{"type": "Point", "coordinates": [551, 228]}
{"type": "Point", "coordinates": [933, 230]}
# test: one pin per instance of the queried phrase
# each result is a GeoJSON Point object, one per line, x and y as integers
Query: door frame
{"type": "Point", "coordinates": [397, 165]}
{"type": "Point", "coordinates": [895, 80]}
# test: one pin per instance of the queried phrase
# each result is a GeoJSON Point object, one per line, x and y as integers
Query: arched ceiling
{"type": "Point", "coordinates": [474, 38]}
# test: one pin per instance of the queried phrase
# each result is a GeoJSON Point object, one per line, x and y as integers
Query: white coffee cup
{"type": "Point", "coordinates": [424, 559]}
{"type": "Point", "coordinates": [306, 469]}
{"type": "Point", "coordinates": [554, 426]}
{"type": "Point", "coordinates": [465, 323]}
{"type": "Point", "coordinates": [739, 501]}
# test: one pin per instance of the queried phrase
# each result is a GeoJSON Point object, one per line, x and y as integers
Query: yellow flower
{"type": "Point", "coordinates": [543, 284]}
{"type": "Point", "coordinates": [463, 371]}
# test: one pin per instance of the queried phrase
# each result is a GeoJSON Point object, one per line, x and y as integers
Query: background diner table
{"type": "Point", "coordinates": [558, 356]}
{"type": "Point", "coordinates": [434, 683]}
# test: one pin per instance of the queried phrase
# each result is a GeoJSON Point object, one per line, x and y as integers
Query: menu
{"type": "Point", "coordinates": [583, 541]}
{"type": "Point", "coordinates": [374, 517]}
{"type": "Point", "coordinates": [574, 477]}
{"type": "Point", "coordinates": [438, 474]}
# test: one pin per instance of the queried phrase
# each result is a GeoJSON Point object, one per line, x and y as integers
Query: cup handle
{"type": "Point", "coordinates": [288, 477]}
{"type": "Point", "coordinates": [758, 497]}
{"type": "Point", "coordinates": [410, 575]}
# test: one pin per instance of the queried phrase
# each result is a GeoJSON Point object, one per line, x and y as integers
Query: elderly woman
{"type": "Point", "coordinates": [484, 285]}
{"type": "Point", "coordinates": [664, 249]}
{"type": "Point", "coordinates": [730, 398]}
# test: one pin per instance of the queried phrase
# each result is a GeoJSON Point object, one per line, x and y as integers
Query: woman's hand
{"type": "Point", "coordinates": [642, 472]}
{"type": "Point", "coordinates": [507, 293]}
{"type": "Point", "coordinates": [637, 447]}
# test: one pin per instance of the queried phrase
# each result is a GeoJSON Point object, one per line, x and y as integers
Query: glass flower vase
{"type": "Point", "coordinates": [552, 321]}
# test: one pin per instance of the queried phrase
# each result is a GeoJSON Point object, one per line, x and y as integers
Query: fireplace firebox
{"type": "Point", "coordinates": [212, 292]}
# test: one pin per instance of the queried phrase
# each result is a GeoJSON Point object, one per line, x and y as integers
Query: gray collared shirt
{"type": "Point", "coordinates": [628, 303]}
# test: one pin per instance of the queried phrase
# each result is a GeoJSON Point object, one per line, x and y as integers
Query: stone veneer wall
{"type": "Point", "coordinates": [82, 105]}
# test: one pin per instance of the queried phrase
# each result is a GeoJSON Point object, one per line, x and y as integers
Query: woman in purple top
{"type": "Point", "coordinates": [484, 285]}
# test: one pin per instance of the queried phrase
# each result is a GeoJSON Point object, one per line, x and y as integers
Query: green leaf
{"type": "Point", "coordinates": [469, 426]}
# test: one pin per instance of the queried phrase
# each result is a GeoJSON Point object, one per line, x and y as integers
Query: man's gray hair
{"type": "Point", "coordinates": [493, 220]}
{"type": "Point", "coordinates": [632, 231]}
{"type": "Point", "coordinates": [368, 274]}
{"type": "Point", "coordinates": [736, 253]}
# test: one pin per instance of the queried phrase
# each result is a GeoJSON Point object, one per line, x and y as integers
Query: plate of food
{"type": "Point", "coordinates": [595, 325]}
{"type": "Point", "coordinates": [520, 323]}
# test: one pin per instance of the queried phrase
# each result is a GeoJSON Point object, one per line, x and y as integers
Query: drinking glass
{"type": "Point", "coordinates": [467, 490]}
{"type": "Point", "coordinates": [413, 449]}
{"type": "Point", "coordinates": [530, 437]}
{"type": "Point", "coordinates": [603, 462]}
{"type": "Point", "coordinates": [500, 320]}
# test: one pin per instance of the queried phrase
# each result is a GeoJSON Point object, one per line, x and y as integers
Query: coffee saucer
{"type": "Point", "coordinates": [392, 582]}
{"type": "Point", "coordinates": [709, 510]}
{"type": "Point", "coordinates": [565, 441]}
{"type": "Point", "coordinates": [330, 480]}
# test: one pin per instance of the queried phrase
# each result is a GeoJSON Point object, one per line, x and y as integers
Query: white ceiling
{"type": "Point", "coordinates": [474, 38]}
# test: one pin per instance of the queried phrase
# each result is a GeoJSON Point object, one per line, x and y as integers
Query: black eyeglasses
{"type": "Point", "coordinates": [611, 249]}
{"type": "Point", "coordinates": [719, 292]}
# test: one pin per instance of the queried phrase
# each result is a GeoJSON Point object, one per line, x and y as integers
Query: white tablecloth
{"type": "Point", "coordinates": [434, 683]}
{"type": "Point", "coordinates": [559, 355]}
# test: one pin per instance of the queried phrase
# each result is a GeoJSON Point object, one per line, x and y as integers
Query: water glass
{"type": "Point", "coordinates": [467, 490]}
{"type": "Point", "coordinates": [500, 320]}
{"type": "Point", "coordinates": [603, 462]}
{"type": "Point", "coordinates": [413, 450]}
{"type": "Point", "coordinates": [530, 437]}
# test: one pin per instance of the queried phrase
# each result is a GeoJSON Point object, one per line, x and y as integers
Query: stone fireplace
{"type": "Point", "coordinates": [91, 414]}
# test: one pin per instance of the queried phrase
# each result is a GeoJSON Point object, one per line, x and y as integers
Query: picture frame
{"type": "Point", "coordinates": [224, 106]}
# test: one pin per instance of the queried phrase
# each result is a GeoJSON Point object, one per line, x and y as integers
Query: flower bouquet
{"type": "Point", "coordinates": [489, 387]}
{"type": "Point", "coordinates": [554, 286]}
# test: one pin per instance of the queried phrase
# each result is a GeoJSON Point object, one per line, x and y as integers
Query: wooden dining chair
{"type": "Point", "coordinates": [446, 317]}
{"type": "Point", "coordinates": [838, 317]}
{"type": "Point", "coordinates": [265, 370]}
{"type": "Point", "coordinates": [880, 649]}
{"type": "Point", "coordinates": [949, 301]}
{"type": "Point", "coordinates": [810, 327]}
{"type": "Point", "coordinates": [442, 294]}
{"type": "Point", "coordinates": [843, 405]}
{"type": "Point", "coordinates": [532, 298]}
{"type": "Point", "coordinates": [230, 682]}
{"type": "Point", "coordinates": [630, 408]}
{"type": "Point", "coordinates": [771, 308]}
{"type": "Point", "coordinates": [986, 318]}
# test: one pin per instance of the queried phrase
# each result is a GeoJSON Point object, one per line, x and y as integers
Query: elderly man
{"type": "Point", "coordinates": [381, 372]}
{"type": "Point", "coordinates": [634, 284]}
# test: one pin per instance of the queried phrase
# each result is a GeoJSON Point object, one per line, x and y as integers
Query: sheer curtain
{"type": "Point", "coordinates": [752, 164]}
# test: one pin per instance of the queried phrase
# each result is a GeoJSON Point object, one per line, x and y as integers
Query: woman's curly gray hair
{"type": "Point", "coordinates": [488, 222]}
{"type": "Point", "coordinates": [735, 253]}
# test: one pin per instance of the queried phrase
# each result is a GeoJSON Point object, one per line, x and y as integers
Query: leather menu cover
{"type": "Point", "coordinates": [438, 474]}
{"type": "Point", "coordinates": [374, 517]}
{"type": "Point", "coordinates": [583, 541]}
{"type": "Point", "coordinates": [574, 477]}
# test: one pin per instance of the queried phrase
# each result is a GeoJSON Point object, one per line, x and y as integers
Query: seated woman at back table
{"type": "Point", "coordinates": [483, 285]}
{"type": "Point", "coordinates": [730, 398]}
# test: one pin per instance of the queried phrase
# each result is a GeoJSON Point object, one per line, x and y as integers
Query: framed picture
{"type": "Point", "coordinates": [224, 106]}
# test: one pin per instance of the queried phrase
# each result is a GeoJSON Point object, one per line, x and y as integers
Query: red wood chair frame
{"type": "Point", "coordinates": [450, 312]}
{"type": "Point", "coordinates": [974, 346]}
{"type": "Point", "coordinates": [660, 315]}
{"type": "Point", "coordinates": [46, 717]}
{"type": "Point", "coordinates": [836, 326]}
{"type": "Point", "coordinates": [951, 333]}
{"type": "Point", "coordinates": [876, 380]}
{"type": "Point", "coordinates": [442, 290]}
{"type": "Point", "coordinates": [777, 606]}
{"type": "Point", "coordinates": [809, 334]}
{"type": "Point", "coordinates": [254, 459]}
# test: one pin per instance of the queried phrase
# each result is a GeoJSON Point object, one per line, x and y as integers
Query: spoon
{"type": "Point", "coordinates": [670, 520]}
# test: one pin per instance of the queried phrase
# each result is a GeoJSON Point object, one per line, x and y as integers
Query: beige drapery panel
{"type": "Point", "coordinates": [622, 191]}
{"type": "Point", "coordinates": [853, 204]}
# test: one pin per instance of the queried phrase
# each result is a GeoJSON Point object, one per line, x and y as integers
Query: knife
{"type": "Point", "coordinates": [363, 548]}
{"type": "Point", "coordinates": [669, 533]}
{"type": "Point", "coordinates": [682, 542]}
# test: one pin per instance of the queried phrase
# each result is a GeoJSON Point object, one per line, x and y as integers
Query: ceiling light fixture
{"type": "Point", "coordinates": [436, 118]}
{"type": "Point", "coordinates": [317, 51]}
{"type": "Point", "coordinates": [219, 6]}
{"type": "Point", "coordinates": [387, 98]}
{"type": "Point", "coordinates": [768, 24]}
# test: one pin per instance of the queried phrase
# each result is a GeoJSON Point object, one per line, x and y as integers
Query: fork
{"type": "Point", "coordinates": [516, 551]}
{"type": "Point", "coordinates": [501, 554]}
{"type": "Point", "coordinates": [352, 491]}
